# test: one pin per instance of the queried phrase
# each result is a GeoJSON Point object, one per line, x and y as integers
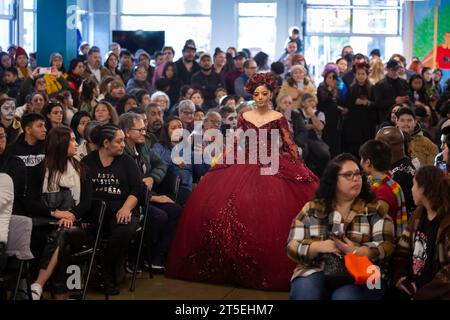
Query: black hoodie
{"type": "Point", "coordinates": [33, 157]}
{"type": "Point", "coordinates": [15, 168]}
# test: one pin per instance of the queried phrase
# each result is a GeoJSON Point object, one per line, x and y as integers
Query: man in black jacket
{"type": "Point", "coordinates": [30, 148]}
{"type": "Point", "coordinates": [187, 66]}
{"type": "Point", "coordinates": [389, 91]}
{"type": "Point", "coordinates": [15, 168]}
{"type": "Point", "coordinates": [163, 212]}
{"type": "Point", "coordinates": [207, 80]}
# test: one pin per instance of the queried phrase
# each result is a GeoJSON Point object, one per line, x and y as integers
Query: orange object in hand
{"type": "Point", "coordinates": [359, 268]}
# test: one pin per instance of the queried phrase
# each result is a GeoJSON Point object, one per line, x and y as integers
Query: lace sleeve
{"type": "Point", "coordinates": [288, 143]}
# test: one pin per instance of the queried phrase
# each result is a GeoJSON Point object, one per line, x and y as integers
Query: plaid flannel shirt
{"type": "Point", "coordinates": [366, 226]}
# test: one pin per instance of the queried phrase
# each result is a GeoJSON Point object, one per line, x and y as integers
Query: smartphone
{"type": "Point", "coordinates": [45, 70]}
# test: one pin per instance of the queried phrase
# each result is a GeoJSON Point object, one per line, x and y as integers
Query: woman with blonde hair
{"type": "Point", "coordinates": [376, 71]}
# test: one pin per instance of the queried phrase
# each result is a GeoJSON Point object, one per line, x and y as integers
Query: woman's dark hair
{"type": "Point", "coordinates": [184, 90]}
{"type": "Point", "coordinates": [120, 107]}
{"type": "Point", "coordinates": [56, 146]}
{"type": "Point", "coordinates": [174, 69]}
{"type": "Point", "coordinates": [164, 138]}
{"type": "Point", "coordinates": [47, 109]}
{"type": "Point", "coordinates": [73, 64]}
{"type": "Point", "coordinates": [87, 93]}
{"type": "Point", "coordinates": [139, 94]}
{"type": "Point", "coordinates": [277, 67]}
{"type": "Point", "coordinates": [436, 188]}
{"type": "Point", "coordinates": [422, 91]}
{"type": "Point", "coordinates": [261, 59]}
{"type": "Point", "coordinates": [76, 122]}
{"type": "Point", "coordinates": [328, 183]}
{"type": "Point", "coordinates": [104, 132]}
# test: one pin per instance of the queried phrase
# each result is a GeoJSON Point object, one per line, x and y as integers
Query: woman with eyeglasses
{"type": "Point", "coordinates": [330, 103]}
{"type": "Point", "coordinates": [186, 111]}
{"type": "Point", "coordinates": [163, 212]}
{"type": "Point", "coordinates": [343, 218]}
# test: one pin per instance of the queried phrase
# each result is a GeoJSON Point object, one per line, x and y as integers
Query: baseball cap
{"type": "Point", "coordinates": [189, 47]}
{"type": "Point", "coordinates": [392, 64]}
{"type": "Point", "coordinates": [241, 55]}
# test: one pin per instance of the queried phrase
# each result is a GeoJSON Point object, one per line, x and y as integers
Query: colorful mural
{"type": "Point", "coordinates": [431, 39]}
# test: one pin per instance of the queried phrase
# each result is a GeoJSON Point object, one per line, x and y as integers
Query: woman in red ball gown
{"type": "Point", "coordinates": [235, 225]}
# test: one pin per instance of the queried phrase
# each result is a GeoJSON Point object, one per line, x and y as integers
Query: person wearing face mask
{"type": "Point", "coordinates": [172, 135]}
{"type": "Point", "coordinates": [207, 80]}
{"type": "Point", "coordinates": [155, 123]}
{"type": "Point", "coordinates": [12, 125]}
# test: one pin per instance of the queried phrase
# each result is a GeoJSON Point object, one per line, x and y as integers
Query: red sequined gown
{"type": "Point", "coordinates": [235, 225]}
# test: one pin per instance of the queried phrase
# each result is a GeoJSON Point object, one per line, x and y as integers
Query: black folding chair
{"type": "Point", "coordinates": [92, 252]}
{"type": "Point", "coordinates": [170, 187]}
{"type": "Point", "coordinates": [141, 241]}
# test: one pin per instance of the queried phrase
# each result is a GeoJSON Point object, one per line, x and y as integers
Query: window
{"type": "Point", "coordinates": [28, 26]}
{"type": "Point", "coordinates": [6, 23]}
{"type": "Point", "coordinates": [257, 27]}
{"type": "Point", "coordinates": [180, 19]}
{"type": "Point", "coordinates": [363, 24]}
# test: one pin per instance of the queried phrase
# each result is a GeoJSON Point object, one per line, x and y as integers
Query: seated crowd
{"type": "Point", "coordinates": [378, 135]}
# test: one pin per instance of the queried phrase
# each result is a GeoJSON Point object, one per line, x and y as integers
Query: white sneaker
{"type": "Point", "coordinates": [36, 291]}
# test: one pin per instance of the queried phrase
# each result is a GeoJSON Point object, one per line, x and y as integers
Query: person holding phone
{"type": "Point", "coordinates": [421, 264]}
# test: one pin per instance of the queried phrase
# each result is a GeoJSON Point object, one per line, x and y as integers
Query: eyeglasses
{"type": "Point", "coordinates": [188, 113]}
{"type": "Point", "coordinates": [350, 175]}
{"type": "Point", "coordinates": [3, 136]}
{"type": "Point", "coordinates": [141, 131]}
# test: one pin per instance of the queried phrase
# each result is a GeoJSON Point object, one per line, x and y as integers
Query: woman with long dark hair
{"type": "Point", "coordinates": [170, 73]}
{"type": "Point", "coordinates": [343, 218]}
{"type": "Point", "coordinates": [360, 121]}
{"type": "Point", "coordinates": [421, 265]}
{"type": "Point", "coordinates": [66, 191]}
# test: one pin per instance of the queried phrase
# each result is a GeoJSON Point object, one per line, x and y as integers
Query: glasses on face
{"type": "Point", "coordinates": [142, 131]}
{"type": "Point", "coordinates": [3, 136]}
{"type": "Point", "coordinates": [188, 113]}
{"type": "Point", "coordinates": [350, 175]}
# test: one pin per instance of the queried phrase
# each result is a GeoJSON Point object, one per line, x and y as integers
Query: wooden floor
{"type": "Point", "coordinates": [161, 288]}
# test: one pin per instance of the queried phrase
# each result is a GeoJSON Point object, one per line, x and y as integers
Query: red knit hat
{"type": "Point", "coordinates": [20, 52]}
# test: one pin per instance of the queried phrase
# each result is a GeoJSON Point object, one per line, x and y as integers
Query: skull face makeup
{"type": "Point", "coordinates": [7, 110]}
{"type": "Point", "coordinates": [231, 120]}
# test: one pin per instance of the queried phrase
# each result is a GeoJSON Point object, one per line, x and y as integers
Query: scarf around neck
{"type": "Point", "coordinates": [401, 220]}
